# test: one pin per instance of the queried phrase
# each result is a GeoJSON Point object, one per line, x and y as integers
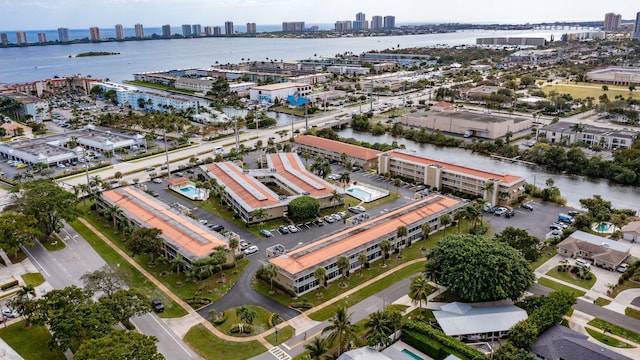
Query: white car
{"type": "Point", "coordinates": [157, 181]}
{"type": "Point", "coordinates": [293, 228]}
{"type": "Point", "coordinates": [251, 250]}
{"type": "Point", "coordinates": [10, 313]}
{"type": "Point", "coordinates": [500, 211]}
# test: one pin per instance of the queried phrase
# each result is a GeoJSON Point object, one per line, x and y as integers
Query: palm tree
{"type": "Point", "coordinates": [260, 214]}
{"type": "Point", "coordinates": [460, 215]}
{"type": "Point", "coordinates": [577, 128]}
{"type": "Point", "coordinates": [233, 245]}
{"type": "Point", "coordinates": [335, 198]}
{"type": "Point", "coordinates": [363, 259]}
{"type": "Point", "coordinates": [385, 246]}
{"type": "Point", "coordinates": [318, 349]}
{"type": "Point", "coordinates": [488, 186]}
{"type": "Point", "coordinates": [473, 213]}
{"type": "Point", "coordinates": [378, 330]}
{"type": "Point", "coordinates": [270, 271]}
{"type": "Point", "coordinates": [306, 156]}
{"type": "Point", "coordinates": [397, 182]}
{"type": "Point", "coordinates": [345, 178]}
{"type": "Point", "coordinates": [178, 262]}
{"type": "Point", "coordinates": [343, 264]}
{"type": "Point", "coordinates": [400, 233]}
{"type": "Point", "coordinates": [445, 220]}
{"type": "Point", "coordinates": [343, 158]}
{"type": "Point", "coordinates": [419, 290]}
{"type": "Point", "coordinates": [341, 330]}
{"type": "Point", "coordinates": [320, 274]}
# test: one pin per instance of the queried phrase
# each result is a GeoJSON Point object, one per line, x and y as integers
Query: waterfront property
{"type": "Point", "coordinates": [333, 150]}
{"type": "Point", "coordinates": [278, 92]}
{"type": "Point", "coordinates": [270, 189]}
{"type": "Point", "coordinates": [180, 234]}
{"type": "Point", "coordinates": [74, 84]}
{"type": "Point", "coordinates": [631, 231]}
{"type": "Point", "coordinates": [565, 133]}
{"type": "Point", "coordinates": [149, 101]}
{"type": "Point", "coordinates": [296, 267]}
{"type": "Point", "coordinates": [187, 188]}
{"type": "Point", "coordinates": [603, 252]}
{"type": "Point", "coordinates": [496, 188]}
{"type": "Point", "coordinates": [366, 193]}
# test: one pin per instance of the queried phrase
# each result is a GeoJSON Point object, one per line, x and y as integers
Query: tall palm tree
{"type": "Point", "coordinates": [378, 330]}
{"type": "Point", "coordinates": [270, 271]}
{"type": "Point", "coordinates": [341, 330]}
{"type": "Point", "coordinates": [260, 214]}
{"type": "Point", "coordinates": [460, 215]}
{"type": "Point", "coordinates": [318, 349]}
{"type": "Point", "coordinates": [343, 264]}
{"type": "Point", "coordinates": [577, 128]}
{"type": "Point", "coordinates": [320, 274]}
{"type": "Point", "coordinates": [445, 220]}
{"type": "Point", "coordinates": [335, 198]}
{"type": "Point", "coordinates": [425, 229]}
{"type": "Point", "coordinates": [397, 182]}
{"type": "Point", "coordinates": [345, 178]}
{"type": "Point", "coordinates": [179, 263]}
{"type": "Point", "coordinates": [385, 246]}
{"type": "Point", "coordinates": [233, 245]}
{"type": "Point", "coordinates": [419, 290]}
{"type": "Point", "coordinates": [363, 259]}
{"type": "Point", "coordinates": [401, 232]}
{"type": "Point", "coordinates": [488, 186]}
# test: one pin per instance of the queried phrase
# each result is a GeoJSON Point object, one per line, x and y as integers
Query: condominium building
{"type": "Point", "coordinates": [389, 22]}
{"type": "Point", "coordinates": [566, 134]}
{"type": "Point", "coordinates": [333, 150]}
{"type": "Point", "coordinates": [273, 93]}
{"type": "Point", "coordinates": [503, 189]}
{"type": "Point", "coordinates": [196, 29]}
{"type": "Point", "coordinates": [21, 37]}
{"type": "Point", "coordinates": [636, 31]}
{"type": "Point", "coordinates": [611, 22]}
{"type": "Point", "coordinates": [94, 33]}
{"type": "Point", "coordinates": [166, 31]}
{"type": "Point", "coordinates": [139, 30]}
{"type": "Point", "coordinates": [296, 267]}
{"type": "Point", "coordinates": [119, 32]}
{"type": "Point", "coordinates": [343, 25]}
{"type": "Point", "coordinates": [361, 22]}
{"type": "Point", "coordinates": [293, 26]}
{"type": "Point", "coordinates": [217, 31]}
{"type": "Point", "coordinates": [4, 39]}
{"type": "Point", "coordinates": [208, 30]}
{"type": "Point", "coordinates": [251, 28]}
{"type": "Point", "coordinates": [228, 28]}
{"type": "Point", "coordinates": [63, 34]}
{"type": "Point", "coordinates": [186, 30]}
{"type": "Point", "coordinates": [376, 22]}
{"type": "Point", "coordinates": [42, 37]}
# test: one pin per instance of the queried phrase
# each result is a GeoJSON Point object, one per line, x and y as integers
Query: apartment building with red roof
{"type": "Point", "coordinates": [296, 267]}
{"type": "Point", "coordinates": [333, 150]}
{"type": "Point", "coordinates": [496, 188]}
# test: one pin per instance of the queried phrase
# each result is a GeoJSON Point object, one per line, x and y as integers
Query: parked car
{"type": "Point", "coordinates": [336, 217]}
{"type": "Point", "coordinates": [342, 214]}
{"type": "Point", "coordinates": [500, 211]}
{"type": "Point", "coordinates": [157, 181]}
{"type": "Point", "coordinates": [216, 228]}
{"type": "Point", "coordinates": [622, 267]}
{"type": "Point", "coordinates": [572, 213]}
{"type": "Point", "coordinates": [293, 228]}
{"type": "Point", "coordinates": [527, 206]}
{"type": "Point", "coordinates": [157, 306]}
{"type": "Point", "coordinates": [10, 313]}
{"type": "Point", "coordinates": [583, 263]}
{"type": "Point", "coordinates": [203, 221]}
{"type": "Point", "coordinates": [555, 226]}
{"type": "Point", "coordinates": [510, 213]}
{"type": "Point", "coordinates": [328, 219]}
{"type": "Point", "coordinates": [318, 222]}
{"type": "Point", "coordinates": [283, 229]}
{"type": "Point", "coordinates": [251, 250]}
{"type": "Point", "coordinates": [265, 233]}
{"type": "Point", "coordinates": [243, 244]}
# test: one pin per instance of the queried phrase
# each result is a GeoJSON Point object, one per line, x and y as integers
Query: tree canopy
{"type": "Point", "coordinates": [479, 269]}
{"type": "Point", "coordinates": [527, 245]}
{"type": "Point", "coordinates": [304, 207]}
{"type": "Point", "coordinates": [16, 230]}
{"type": "Point", "coordinates": [120, 345]}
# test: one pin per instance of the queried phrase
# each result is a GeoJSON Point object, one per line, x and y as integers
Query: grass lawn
{"type": "Point", "coordinates": [548, 252]}
{"type": "Point", "coordinates": [632, 313]}
{"type": "Point", "coordinates": [134, 278]}
{"type": "Point", "coordinates": [211, 347]}
{"type": "Point", "coordinates": [615, 330]}
{"type": "Point", "coordinates": [568, 277]}
{"type": "Point", "coordinates": [426, 315]}
{"type": "Point", "coordinates": [31, 343]}
{"type": "Point", "coordinates": [284, 334]}
{"type": "Point", "coordinates": [626, 285]}
{"type": "Point", "coordinates": [557, 286]}
{"type": "Point", "coordinates": [260, 323]}
{"type": "Point", "coordinates": [603, 302]}
{"type": "Point", "coordinates": [608, 339]}
{"type": "Point", "coordinates": [55, 245]}
{"type": "Point", "coordinates": [583, 90]}
{"type": "Point", "coordinates": [34, 279]}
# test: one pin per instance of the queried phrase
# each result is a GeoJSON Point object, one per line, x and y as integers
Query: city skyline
{"type": "Point", "coordinates": [20, 15]}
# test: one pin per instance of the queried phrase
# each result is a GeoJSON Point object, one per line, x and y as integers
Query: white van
{"type": "Point", "coordinates": [218, 150]}
{"type": "Point", "coordinates": [583, 263]}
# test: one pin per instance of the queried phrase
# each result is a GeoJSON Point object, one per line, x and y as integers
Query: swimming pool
{"type": "Point", "coordinates": [360, 194]}
{"type": "Point", "coordinates": [411, 354]}
{"type": "Point", "coordinates": [189, 191]}
{"type": "Point", "coordinates": [603, 227]}
{"type": "Point", "coordinates": [366, 193]}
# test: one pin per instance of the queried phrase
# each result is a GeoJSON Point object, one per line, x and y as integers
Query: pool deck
{"type": "Point", "coordinates": [369, 189]}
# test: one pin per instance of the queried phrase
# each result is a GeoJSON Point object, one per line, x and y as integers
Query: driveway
{"type": "Point", "coordinates": [535, 222]}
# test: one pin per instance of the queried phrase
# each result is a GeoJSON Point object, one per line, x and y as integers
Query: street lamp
{"type": "Point", "coordinates": [276, 333]}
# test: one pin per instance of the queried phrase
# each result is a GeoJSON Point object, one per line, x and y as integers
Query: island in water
{"type": "Point", "coordinates": [96, 53]}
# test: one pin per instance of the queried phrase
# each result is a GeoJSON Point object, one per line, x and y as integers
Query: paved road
{"type": "Point", "coordinates": [65, 267]}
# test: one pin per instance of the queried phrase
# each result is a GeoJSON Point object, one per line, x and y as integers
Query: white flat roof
{"type": "Point", "coordinates": [599, 240]}
{"type": "Point", "coordinates": [468, 319]}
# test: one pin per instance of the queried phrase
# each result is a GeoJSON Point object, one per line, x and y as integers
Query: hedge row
{"type": "Point", "coordinates": [447, 343]}
{"type": "Point", "coordinates": [9, 285]}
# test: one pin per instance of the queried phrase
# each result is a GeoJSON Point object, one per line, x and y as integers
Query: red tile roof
{"type": "Point", "coordinates": [247, 188]}
{"type": "Point", "coordinates": [354, 151]}
{"type": "Point", "coordinates": [299, 176]}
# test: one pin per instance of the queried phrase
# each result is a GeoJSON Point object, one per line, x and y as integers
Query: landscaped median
{"type": "Point", "coordinates": [557, 286]}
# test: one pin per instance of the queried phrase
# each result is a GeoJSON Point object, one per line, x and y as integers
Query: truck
{"type": "Point", "coordinates": [565, 218]}
{"type": "Point", "coordinates": [468, 133]}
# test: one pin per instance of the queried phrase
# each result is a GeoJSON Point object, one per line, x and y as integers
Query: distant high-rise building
{"type": "Point", "coordinates": [636, 31]}
{"type": "Point", "coordinates": [293, 26]}
{"type": "Point", "coordinates": [63, 34]}
{"type": "Point", "coordinates": [42, 37]}
{"type": "Point", "coordinates": [119, 32]}
{"type": "Point", "coordinates": [389, 22]}
{"type": "Point", "coordinates": [208, 30]}
{"type": "Point", "coordinates": [4, 39]}
{"type": "Point", "coordinates": [139, 31]}
{"type": "Point", "coordinates": [186, 30]}
{"type": "Point", "coordinates": [376, 22]}
{"type": "Point", "coordinates": [251, 28]}
{"type": "Point", "coordinates": [361, 22]}
{"type": "Point", "coordinates": [344, 25]}
{"type": "Point", "coordinates": [21, 37]}
{"type": "Point", "coordinates": [217, 31]}
{"type": "Point", "coordinates": [166, 31]}
{"type": "Point", "coordinates": [611, 22]}
{"type": "Point", "coordinates": [94, 33]}
{"type": "Point", "coordinates": [196, 29]}
{"type": "Point", "coordinates": [228, 27]}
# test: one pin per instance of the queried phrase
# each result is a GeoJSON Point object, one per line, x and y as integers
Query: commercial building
{"type": "Point", "coordinates": [389, 22]}
{"type": "Point", "coordinates": [471, 322]}
{"type": "Point", "coordinates": [42, 37]}
{"type": "Point", "coordinates": [247, 191]}
{"type": "Point", "coordinates": [21, 37]}
{"type": "Point", "coordinates": [565, 133]}
{"type": "Point", "coordinates": [296, 267]}
{"type": "Point", "coordinates": [186, 30]}
{"type": "Point", "coordinates": [28, 105]}
{"type": "Point", "coordinates": [278, 92]}
{"type": "Point", "coordinates": [467, 123]}
{"type": "Point", "coordinates": [615, 75]}
{"type": "Point", "coordinates": [119, 32]}
{"type": "Point", "coordinates": [94, 33]}
{"type": "Point", "coordinates": [166, 31]}
{"type": "Point", "coordinates": [376, 22]}
{"type": "Point", "coordinates": [513, 41]}
{"type": "Point", "coordinates": [605, 253]}
{"type": "Point", "coordinates": [63, 34]}
{"type": "Point", "coordinates": [228, 28]}
{"type": "Point", "coordinates": [611, 22]}
{"type": "Point", "coordinates": [496, 188]}
{"type": "Point", "coordinates": [139, 31]}
{"type": "Point", "coordinates": [293, 26]}
{"type": "Point", "coordinates": [332, 150]}
{"type": "Point", "coordinates": [181, 235]}
{"type": "Point", "coordinates": [251, 28]}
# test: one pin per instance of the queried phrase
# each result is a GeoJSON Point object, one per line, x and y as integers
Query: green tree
{"type": "Point", "coordinates": [445, 220]}
{"type": "Point", "coordinates": [479, 269]}
{"type": "Point", "coordinates": [401, 232]}
{"type": "Point", "coordinates": [270, 271]}
{"type": "Point", "coordinates": [345, 178]}
{"type": "Point", "coordinates": [341, 330]}
{"type": "Point", "coordinates": [385, 246]}
{"type": "Point", "coordinates": [105, 280]}
{"type": "Point", "coordinates": [320, 274]}
{"type": "Point", "coordinates": [145, 241]}
{"type": "Point", "coordinates": [318, 349]}
{"type": "Point", "coordinates": [378, 330]}
{"type": "Point", "coordinates": [246, 314]}
{"type": "Point", "coordinates": [509, 352]}
{"type": "Point", "coordinates": [527, 245]}
{"type": "Point", "coordinates": [343, 264]}
{"type": "Point", "coordinates": [363, 259]}
{"type": "Point", "coordinates": [523, 334]}
{"type": "Point", "coordinates": [397, 182]}
{"type": "Point", "coordinates": [16, 230]}
{"type": "Point", "coordinates": [120, 345]}
{"type": "Point", "coordinates": [125, 304]}
{"type": "Point", "coordinates": [47, 203]}
{"type": "Point", "coordinates": [419, 290]}
{"type": "Point", "coordinates": [304, 207]}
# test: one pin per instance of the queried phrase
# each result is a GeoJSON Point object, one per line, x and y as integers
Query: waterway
{"type": "Point", "coordinates": [573, 188]}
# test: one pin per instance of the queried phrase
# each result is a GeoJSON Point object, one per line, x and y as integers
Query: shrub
{"type": "Point", "coordinates": [198, 301]}
{"type": "Point", "coordinates": [448, 344]}
{"type": "Point", "coordinates": [220, 318]}
{"type": "Point", "coordinates": [9, 285]}
{"type": "Point", "coordinates": [274, 320]}
{"type": "Point", "coordinates": [304, 305]}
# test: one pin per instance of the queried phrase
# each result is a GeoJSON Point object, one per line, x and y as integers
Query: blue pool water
{"type": "Point", "coordinates": [359, 193]}
{"type": "Point", "coordinates": [189, 191]}
{"type": "Point", "coordinates": [603, 227]}
{"type": "Point", "coordinates": [412, 355]}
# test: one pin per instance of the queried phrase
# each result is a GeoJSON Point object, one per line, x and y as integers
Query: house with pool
{"type": "Point", "coordinates": [270, 189]}
{"type": "Point", "coordinates": [296, 266]}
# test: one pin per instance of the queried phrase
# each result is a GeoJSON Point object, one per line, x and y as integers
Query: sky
{"type": "Point", "coordinates": [79, 14]}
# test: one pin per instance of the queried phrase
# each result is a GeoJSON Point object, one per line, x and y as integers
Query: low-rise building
{"type": "Point", "coordinates": [615, 75]}
{"type": "Point", "coordinates": [333, 150]}
{"type": "Point", "coordinates": [560, 342]}
{"type": "Point", "coordinates": [631, 231]}
{"type": "Point", "coordinates": [28, 106]}
{"type": "Point", "coordinates": [565, 133]}
{"type": "Point", "coordinates": [603, 252]}
{"type": "Point", "coordinates": [496, 188]}
{"type": "Point", "coordinates": [471, 322]}
{"type": "Point", "coordinates": [481, 92]}
{"type": "Point", "coordinates": [150, 101]}
{"type": "Point", "coordinates": [278, 92]}
{"type": "Point", "coordinates": [296, 267]}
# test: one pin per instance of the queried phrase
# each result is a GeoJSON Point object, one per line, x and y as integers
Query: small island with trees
{"type": "Point", "coordinates": [96, 53]}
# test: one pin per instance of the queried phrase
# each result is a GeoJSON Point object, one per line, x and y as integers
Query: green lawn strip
{"type": "Point", "coordinates": [615, 329]}
{"type": "Point", "coordinates": [34, 279]}
{"type": "Point", "coordinates": [10, 294]}
{"type": "Point", "coordinates": [566, 277]}
{"type": "Point", "coordinates": [284, 334]}
{"type": "Point", "coordinates": [326, 312]}
{"type": "Point", "coordinates": [547, 253]}
{"type": "Point", "coordinates": [626, 285]}
{"type": "Point", "coordinates": [211, 347]}
{"type": "Point", "coordinates": [608, 340]}
{"type": "Point", "coordinates": [632, 313]}
{"type": "Point", "coordinates": [259, 325]}
{"type": "Point", "coordinates": [134, 278]}
{"type": "Point", "coordinates": [426, 315]}
{"type": "Point", "coordinates": [31, 343]}
{"type": "Point", "coordinates": [557, 286]}
{"type": "Point", "coordinates": [56, 245]}
{"type": "Point", "coordinates": [603, 302]}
